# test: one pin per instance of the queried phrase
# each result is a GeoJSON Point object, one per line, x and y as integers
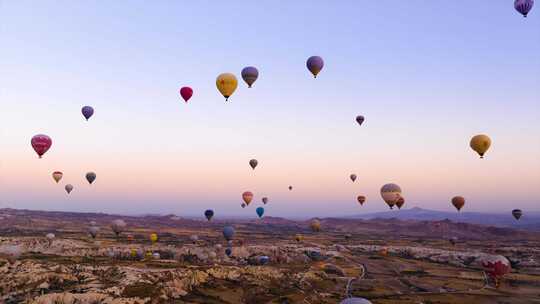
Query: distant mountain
{"type": "Point", "coordinates": [529, 220]}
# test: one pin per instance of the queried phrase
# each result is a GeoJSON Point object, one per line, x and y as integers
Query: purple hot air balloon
{"type": "Point", "coordinates": [87, 111]}
{"type": "Point", "coordinates": [250, 74]}
{"type": "Point", "coordinates": [315, 65]}
{"type": "Point", "coordinates": [523, 6]}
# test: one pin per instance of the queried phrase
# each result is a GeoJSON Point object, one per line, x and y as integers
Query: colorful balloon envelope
{"type": "Point", "coordinates": [228, 233]}
{"type": "Point", "coordinates": [260, 211]}
{"type": "Point", "coordinates": [517, 213]}
{"type": "Point", "coordinates": [458, 202]}
{"type": "Point", "coordinates": [57, 176]}
{"type": "Point", "coordinates": [250, 75]}
{"type": "Point", "coordinates": [253, 163]}
{"type": "Point", "coordinates": [480, 144]}
{"type": "Point", "coordinates": [315, 65]}
{"type": "Point", "coordinates": [87, 112]}
{"type": "Point", "coordinates": [118, 226]}
{"type": "Point", "coordinates": [41, 143]}
{"type": "Point", "coordinates": [186, 93]}
{"type": "Point", "coordinates": [523, 6]}
{"type": "Point", "coordinates": [265, 200]}
{"type": "Point", "coordinates": [353, 177]}
{"type": "Point", "coordinates": [360, 119]}
{"type": "Point", "coordinates": [390, 194]}
{"type": "Point", "coordinates": [226, 84]}
{"type": "Point", "coordinates": [209, 214]}
{"type": "Point", "coordinates": [153, 237]}
{"type": "Point", "coordinates": [90, 177]}
{"type": "Point", "coordinates": [299, 238]}
{"type": "Point", "coordinates": [361, 199]}
{"type": "Point", "coordinates": [247, 197]}
{"type": "Point", "coordinates": [495, 266]}
{"type": "Point", "coordinates": [400, 202]}
{"type": "Point", "coordinates": [69, 188]}
{"type": "Point", "coordinates": [228, 251]}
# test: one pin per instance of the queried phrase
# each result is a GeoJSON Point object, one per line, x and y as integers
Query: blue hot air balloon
{"type": "Point", "coordinates": [260, 211]}
{"type": "Point", "coordinates": [228, 233]}
{"type": "Point", "coordinates": [228, 251]}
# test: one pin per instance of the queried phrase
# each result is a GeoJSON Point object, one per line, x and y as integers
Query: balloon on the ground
{"type": "Point", "coordinates": [250, 74]}
{"type": "Point", "coordinates": [523, 6]}
{"type": "Point", "coordinates": [360, 119]}
{"type": "Point", "coordinates": [228, 233]}
{"type": "Point", "coordinates": [57, 176]}
{"type": "Point", "coordinates": [480, 144]}
{"type": "Point", "coordinates": [186, 93]}
{"type": "Point", "coordinates": [209, 214]}
{"type": "Point", "coordinates": [247, 197]}
{"type": "Point", "coordinates": [390, 194]}
{"type": "Point", "coordinates": [353, 177]}
{"type": "Point", "coordinates": [495, 266]}
{"type": "Point", "coordinates": [315, 225]}
{"type": "Point", "coordinates": [87, 112]}
{"type": "Point", "coordinates": [226, 84]}
{"type": "Point", "coordinates": [90, 177]}
{"type": "Point", "coordinates": [516, 213]}
{"type": "Point", "coordinates": [69, 188]}
{"type": "Point", "coordinates": [458, 202]}
{"type": "Point", "coordinates": [361, 199]}
{"type": "Point", "coordinates": [265, 200]}
{"type": "Point", "coordinates": [315, 65]}
{"type": "Point", "coordinates": [93, 230]}
{"type": "Point", "coordinates": [41, 143]}
{"type": "Point", "coordinates": [260, 211]}
{"type": "Point", "coordinates": [253, 163]}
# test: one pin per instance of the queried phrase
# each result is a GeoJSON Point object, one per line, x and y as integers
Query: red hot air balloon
{"type": "Point", "coordinates": [495, 266]}
{"type": "Point", "coordinates": [41, 143]}
{"type": "Point", "coordinates": [186, 93]}
{"type": "Point", "coordinates": [247, 197]}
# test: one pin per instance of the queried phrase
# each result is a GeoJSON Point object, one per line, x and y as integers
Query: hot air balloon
{"type": "Point", "coordinates": [228, 251]}
{"type": "Point", "coordinates": [93, 223]}
{"type": "Point", "coordinates": [290, 188]}
{"type": "Point", "coordinates": [69, 188]}
{"type": "Point", "coordinates": [186, 93]}
{"type": "Point", "coordinates": [194, 238]}
{"type": "Point", "coordinates": [243, 205]}
{"type": "Point", "coordinates": [260, 211]}
{"type": "Point", "coordinates": [57, 176]}
{"type": "Point", "coordinates": [523, 6]}
{"type": "Point", "coordinates": [355, 301]}
{"type": "Point", "coordinates": [517, 213]}
{"type": "Point", "coordinates": [458, 202]}
{"type": "Point", "coordinates": [250, 74]}
{"type": "Point", "coordinates": [118, 226]}
{"type": "Point", "coordinates": [156, 256]}
{"type": "Point", "coordinates": [361, 199]}
{"type": "Point", "coordinates": [353, 177]}
{"type": "Point", "coordinates": [400, 202]}
{"type": "Point", "coordinates": [390, 194]}
{"type": "Point", "coordinates": [50, 237]}
{"type": "Point", "coordinates": [228, 233]}
{"type": "Point", "coordinates": [495, 266]}
{"type": "Point", "coordinates": [209, 214]}
{"type": "Point", "coordinates": [41, 143]}
{"type": "Point", "coordinates": [480, 144]}
{"type": "Point", "coordinates": [226, 84]}
{"type": "Point", "coordinates": [247, 197]}
{"type": "Point", "coordinates": [315, 65]}
{"type": "Point", "coordinates": [299, 238]}
{"type": "Point", "coordinates": [253, 163]}
{"type": "Point", "coordinates": [360, 119]}
{"type": "Point", "coordinates": [153, 238]}
{"type": "Point", "coordinates": [87, 112]}
{"type": "Point", "coordinates": [265, 200]}
{"type": "Point", "coordinates": [90, 177]}
{"type": "Point", "coordinates": [315, 225]}
{"type": "Point", "coordinates": [93, 230]}
{"type": "Point", "coordinates": [130, 237]}
{"type": "Point", "coordinates": [453, 240]}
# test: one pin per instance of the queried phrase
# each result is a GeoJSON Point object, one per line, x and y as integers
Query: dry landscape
{"type": "Point", "coordinates": [391, 261]}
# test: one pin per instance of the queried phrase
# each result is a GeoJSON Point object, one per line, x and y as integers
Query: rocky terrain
{"type": "Point", "coordinates": [386, 261]}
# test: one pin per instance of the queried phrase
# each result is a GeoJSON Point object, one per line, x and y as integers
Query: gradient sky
{"type": "Point", "coordinates": [427, 75]}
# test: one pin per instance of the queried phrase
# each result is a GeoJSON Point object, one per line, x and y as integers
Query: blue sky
{"type": "Point", "coordinates": [427, 75]}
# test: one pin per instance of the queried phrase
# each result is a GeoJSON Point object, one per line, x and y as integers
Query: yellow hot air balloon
{"type": "Point", "coordinates": [480, 144]}
{"type": "Point", "coordinates": [226, 84]}
{"type": "Point", "coordinates": [153, 238]}
{"type": "Point", "coordinates": [299, 238]}
{"type": "Point", "coordinates": [57, 176]}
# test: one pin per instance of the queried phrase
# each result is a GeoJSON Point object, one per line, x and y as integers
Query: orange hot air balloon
{"type": "Point", "coordinates": [57, 176]}
{"type": "Point", "coordinates": [247, 197]}
{"type": "Point", "coordinates": [361, 199]}
{"type": "Point", "coordinates": [480, 144]}
{"type": "Point", "coordinates": [383, 252]}
{"type": "Point", "coordinates": [299, 238]}
{"type": "Point", "coordinates": [458, 202]}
